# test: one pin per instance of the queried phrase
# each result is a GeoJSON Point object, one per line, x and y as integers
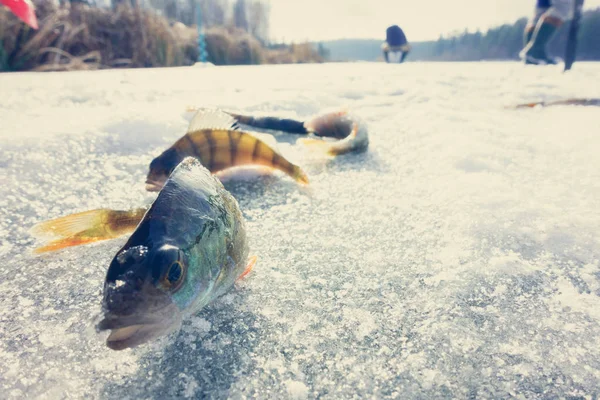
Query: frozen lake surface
{"type": "Point", "coordinates": [459, 257]}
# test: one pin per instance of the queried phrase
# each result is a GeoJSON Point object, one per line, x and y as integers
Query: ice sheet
{"type": "Point", "coordinates": [457, 258]}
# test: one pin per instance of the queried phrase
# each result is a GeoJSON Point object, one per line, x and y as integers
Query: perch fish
{"type": "Point", "coordinates": [214, 138]}
{"type": "Point", "coordinates": [188, 249]}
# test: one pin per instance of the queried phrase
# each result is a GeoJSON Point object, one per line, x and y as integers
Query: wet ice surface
{"type": "Point", "coordinates": [457, 257]}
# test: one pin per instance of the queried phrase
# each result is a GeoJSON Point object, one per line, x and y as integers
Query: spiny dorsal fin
{"type": "Point", "coordinates": [208, 118]}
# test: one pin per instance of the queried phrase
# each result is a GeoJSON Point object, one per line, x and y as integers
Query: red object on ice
{"type": "Point", "coordinates": [24, 9]}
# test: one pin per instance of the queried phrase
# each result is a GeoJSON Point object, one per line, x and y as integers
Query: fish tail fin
{"type": "Point", "coordinates": [319, 146]}
{"type": "Point", "coordinates": [252, 150]}
{"type": "Point", "coordinates": [293, 170]}
{"type": "Point", "coordinates": [300, 176]}
{"type": "Point", "coordinates": [530, 105]}
{"type": "Point", "coordinates": [86, 227]}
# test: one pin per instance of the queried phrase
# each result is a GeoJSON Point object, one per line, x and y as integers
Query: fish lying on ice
{"type": "Point", "coordinates": [349, 130]}
{"type": "Point", "coordinates": [217, 148]}
{"type": "Point", "coordinates": [567, 102]}
{"type": "Point", "coordinates": [214, 138]}
{"type": "Point", "coordinates": [187, 249]}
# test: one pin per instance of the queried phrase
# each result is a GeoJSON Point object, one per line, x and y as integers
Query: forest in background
{"type": "Point", "coordinates": [500, 43]}
{"type": "Point", "coordinates": [92, 34]}
{"type": "Point", "coordinates": [88, 34]}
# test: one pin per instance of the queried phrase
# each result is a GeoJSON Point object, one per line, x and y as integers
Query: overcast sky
{"type": "Point", "coordinates": [298, 20]}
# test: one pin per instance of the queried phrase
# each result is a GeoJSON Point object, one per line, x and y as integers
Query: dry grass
{"type": "Point", "coordinates": [294, 54]}
{"type": "Point", "coordinates": [83, 37]}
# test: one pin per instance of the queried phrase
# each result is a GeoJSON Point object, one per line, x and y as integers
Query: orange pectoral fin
{"type": "Point", "coordinates": [68, 242]}
{"type": "Point", "coordinates": [251, 263]}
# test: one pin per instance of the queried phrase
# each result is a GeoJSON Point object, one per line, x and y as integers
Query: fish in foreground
{"type": "Point", "coordinates": [347, 128]}
{"type": "Point", "coordinates": [186, 250]}
{"type": "Point", "coordinates": [189, 248]}
{"type": "Point", "coordinates": [214, 138]}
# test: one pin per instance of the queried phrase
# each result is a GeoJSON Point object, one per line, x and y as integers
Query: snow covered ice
{"type": "Point", "coordinates": [457, 258]}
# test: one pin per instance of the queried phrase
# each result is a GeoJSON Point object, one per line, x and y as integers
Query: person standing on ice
{"type": "Point", "coordinates": [396, 47]}
{"type": "Point", "coordinates": [549, 15]}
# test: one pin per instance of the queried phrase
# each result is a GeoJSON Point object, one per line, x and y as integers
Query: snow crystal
{"type": "Point", "coordinates": [459, 257]}
{"type": "Point", "coordinates": [297, 390]}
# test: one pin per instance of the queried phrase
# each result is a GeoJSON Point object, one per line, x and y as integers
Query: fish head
{"type": "Point", "coordinates": [138, 303]}
{"type": "Point", "coordinates": [335, 124]}
{"type": "Point", "coordinates": [160, 169]}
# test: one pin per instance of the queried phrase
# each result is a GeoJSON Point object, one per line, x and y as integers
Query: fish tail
{"type": "Point", "coordinates": [277, 161]}
{"type": "Point", "coordinates": [86, 227]}
{"type": "Point", "coordinates": [331, 148]}
{"type": "Point", "coordinates": [530, 105]}
{"type": "Point", "coordinates": [300, 176]}
{"type": "Point", "coordinates": [249, 149]}
{"type": "Point", "coordinates": [272, 123]}
{"type": "Point", "coordinates": [319, 146]}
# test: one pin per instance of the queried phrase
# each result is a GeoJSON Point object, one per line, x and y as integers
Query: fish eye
{"type": "Point", "coordinates": [174, 276]}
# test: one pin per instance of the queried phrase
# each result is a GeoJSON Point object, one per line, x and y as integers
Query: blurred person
{"type": "Point", "coordinates": [548, 16]}
{"type": "Point", "coordinates": [396, 47]}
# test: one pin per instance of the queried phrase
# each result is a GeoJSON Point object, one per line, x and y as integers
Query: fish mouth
{"type": "Point", "coordinates": [153, 185]}
{"type": "Point", "coordinates": [134, 335]}
{"type": "Point", "coordinates": [127, 332]}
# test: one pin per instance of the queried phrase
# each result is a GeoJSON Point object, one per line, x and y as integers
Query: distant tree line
{"type": "Point", "coordinates": [251, 16]}
{"type": "Point", "coordinates": [500, 43]}
{"type": "Point", "coordinates": [505, 42]}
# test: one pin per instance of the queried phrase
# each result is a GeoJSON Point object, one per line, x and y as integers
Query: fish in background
{"type": "Point", "coordinates": [214, 138]}
{"type": "Point", "coordinates": [566, 102]}
{"type": "Point", "coordinates": [348, 131]}
{"type": "Point", "coordinates": [186, 250]}
{"type": "Point", "coordinates": [218, 148]}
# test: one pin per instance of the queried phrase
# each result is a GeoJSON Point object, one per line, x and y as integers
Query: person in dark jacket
{"type": "Point", "coordinates": [396, 47]}
{"type": "Point", "coordinates": [549, 15]}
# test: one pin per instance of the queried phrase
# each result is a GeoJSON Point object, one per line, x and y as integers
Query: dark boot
{"type": "Point", "coordinates": [535, 51]}
{"type": "Point", "coordinates": [404, 54]}
{"type": "Point", "coordinates": [527, 34]}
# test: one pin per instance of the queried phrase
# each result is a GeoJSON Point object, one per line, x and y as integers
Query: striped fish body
{"type": "Point", "coordinates": [219, 149]}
